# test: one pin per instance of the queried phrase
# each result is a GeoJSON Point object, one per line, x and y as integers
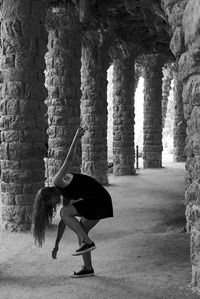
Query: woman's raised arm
{"type": "Point", "coordinates": [61, 174]}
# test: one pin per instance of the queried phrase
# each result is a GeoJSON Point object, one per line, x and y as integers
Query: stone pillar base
{"type": "Point", "coordinates": [152, 164]}
{"type": "Point", "coordinates": [117, 170]}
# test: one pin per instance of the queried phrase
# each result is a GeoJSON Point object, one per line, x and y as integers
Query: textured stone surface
{"type": "Point", "coordinates": [110, 113]}
{"type": "Point", "coordinates": [152, 127]}
{"type": "Point", "coordinates": [94, 107]}
{"type": "Point", "coordinates": [174, 10]}
{"type": "Point", "coordinates": [138, 74]}
{"type": "Point", "coordinates": [192, 115]}
{"type": "Point", "coordinates": [123, 116]}
{"type": "Point", "coordinates": [22, 125]}
{"type": "Point", "coordinates": [187, 66]}
{"type": "Point", "coordinates": [189, 79]}
{"type": "Point", "coordinates": [166, 87]}
{"type": "Point", "coordinates": [177, 42]}
{"type": "Point", "coordinates": [191, 26]}
{"type": "Point", "coordinates": [179, 154]}
{"type": "Point", "coordinates": [63, 84]}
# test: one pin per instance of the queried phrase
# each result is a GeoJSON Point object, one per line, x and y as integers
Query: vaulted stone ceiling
{"type": "Point", "coordinates": [141, 22]}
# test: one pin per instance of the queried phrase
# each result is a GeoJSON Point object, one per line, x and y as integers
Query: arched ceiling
{"type": "Point", "coordinates": [141, 22]}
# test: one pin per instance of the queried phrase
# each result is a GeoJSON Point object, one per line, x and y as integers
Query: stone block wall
{"type": "Point", "coordinates": [22, 109]}
{"type": "Point", "coordinates": [94, 67]}
{"type": "Point", "coordinates": [166, 87]}
{"type": "Point", "coordinates": [191, 97]}
{"type": "Point", "coordinates": [179, 139]}
{"type": "Point", "coordinates": [191, 27]}
{"type": "Point", "coordinates": [110, 113]}
{"type": "Point", "coordinates": [189, 76]}
{"type": "Point", "coordinates": [63, 63]}
{"type": "Point", "coordinates": [152, 126]}
{"type": "Point", "coordinates": [123, 116]}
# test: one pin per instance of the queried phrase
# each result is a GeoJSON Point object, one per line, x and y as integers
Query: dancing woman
{"type": "Point", "coordinates": [82, 196]}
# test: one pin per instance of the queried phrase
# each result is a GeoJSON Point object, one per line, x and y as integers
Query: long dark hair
{"type": "Point", "coordinates": [42, 214]}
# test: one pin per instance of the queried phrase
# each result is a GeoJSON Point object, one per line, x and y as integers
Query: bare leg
{"type": "Point", "coordinates": [68, 214]}
{"type": "Point", "coordinates": [87, 226]}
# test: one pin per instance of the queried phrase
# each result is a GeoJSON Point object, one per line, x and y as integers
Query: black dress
{"type": "Point", "coordinates": [96, 203]}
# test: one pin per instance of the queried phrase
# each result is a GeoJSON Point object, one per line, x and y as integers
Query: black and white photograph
{"type": "Point", "coordinates": [99, 149]}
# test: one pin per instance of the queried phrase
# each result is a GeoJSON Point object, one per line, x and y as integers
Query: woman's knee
{"type": "Point", "coordinates": [65, 212]}
{"type": "Point", "coordinates": [68, 211]}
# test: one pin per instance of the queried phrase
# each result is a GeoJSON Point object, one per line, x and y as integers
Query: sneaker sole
{"type": "Point", "coordinates": [84, 251]}
{"type": "Point", "coordinates": [80, 276]}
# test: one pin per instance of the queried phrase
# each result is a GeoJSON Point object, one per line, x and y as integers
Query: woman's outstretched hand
{"type": "Point", "coordinates": [54, 253]}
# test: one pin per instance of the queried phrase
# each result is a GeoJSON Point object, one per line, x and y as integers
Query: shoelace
{"type": "Point", "coordinates": [83, 245]}
{"type": "Point", "coordinates": [81, 270]}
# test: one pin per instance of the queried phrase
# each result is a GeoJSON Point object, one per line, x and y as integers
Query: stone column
{"type": "Point", "coordinates": [189, 76]}
{"type": "Point", "coordinates": [110, 116]}
{"type": "Point", "coordinates": [138, 74]}
{"type": "Point", "coordinates": [166, 87]}
{"type": "Point", "coordinates": [123, 116]}
{"type": "Point", "coordinates": [22, 126]}
{"type": "Point", "coordinates": [94, 107]}
{"type": "Point", "coordinates": [190, 73]}
{"type": "Point", "coordinates": [152, 128]}
{"type": "Point", "coordinates": [63, 63]}
{"type": "Point", "coordinates": [174, 11]}
{"type": "Point", "coordinates": [179, 154]}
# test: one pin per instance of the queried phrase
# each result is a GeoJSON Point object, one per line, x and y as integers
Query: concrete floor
{"type": "Point", "coordinates": [141, 252]}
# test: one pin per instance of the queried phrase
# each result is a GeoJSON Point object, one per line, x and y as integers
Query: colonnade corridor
{"type": "Point", "coordinates": [142, 252]}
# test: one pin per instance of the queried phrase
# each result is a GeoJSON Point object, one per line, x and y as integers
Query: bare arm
{"type": "Point", "coordinates": [61, 229]}
{"type": "Point", "coordinates": [59, 178]}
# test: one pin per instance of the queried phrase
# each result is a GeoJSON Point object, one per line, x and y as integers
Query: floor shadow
{"type": "Point", "coordinates": [117, 284]}
{"type": "Point", "coordinates": [32, 280]}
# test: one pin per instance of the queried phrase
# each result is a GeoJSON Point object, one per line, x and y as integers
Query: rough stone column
{"type": "Point", "coordinates": [22, 109]}
{"type": "Point", "coordinates": [179, 154]}
{"type": "Point", "coordinates": [63, 63]}
{"type": "Point", "coordinates": [138, 74]}
{"type": "Point", "coordinates": [123, 116]}
{"type": "Point", "coordinates": [191, 26]}
{"type": "Point", "coordinates": [190, 73]}
{"type": "Point", "coordinates": [174, 11]}
{"type": "Point", "coordinates": [166, 87]}
{"type": "Point", "coordinates": [110, 114]}
{"type": "Point", "coordinates": [152, 128]}
{"type": "Point", "coordinates": [94, 107]}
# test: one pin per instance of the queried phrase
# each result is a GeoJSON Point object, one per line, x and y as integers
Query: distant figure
{"type": "Point", "coordinates": [83, 196]}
